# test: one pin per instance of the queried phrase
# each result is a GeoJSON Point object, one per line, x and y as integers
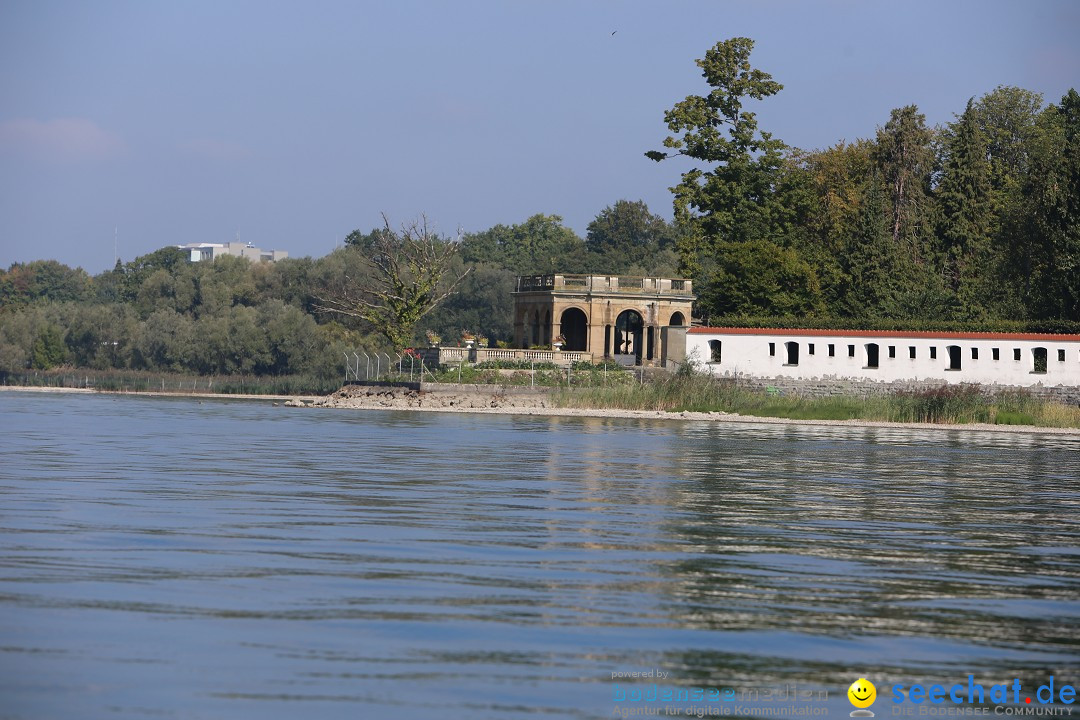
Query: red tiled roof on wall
{"type": "Point", "coordinates": [882, 334]}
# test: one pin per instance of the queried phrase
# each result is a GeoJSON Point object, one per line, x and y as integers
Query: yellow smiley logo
{"type": "Point", "coordinates": [862, 693]}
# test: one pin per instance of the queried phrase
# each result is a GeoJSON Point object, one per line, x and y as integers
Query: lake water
{"type": "Point", "coordinates": [222, 559]}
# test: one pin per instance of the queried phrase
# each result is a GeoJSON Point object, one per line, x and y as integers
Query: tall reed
{"type": "Point", "coordinates": [959, 404]}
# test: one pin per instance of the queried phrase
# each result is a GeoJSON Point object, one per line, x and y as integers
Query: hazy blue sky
{"type": "Point", "coordinates": [292, 123]}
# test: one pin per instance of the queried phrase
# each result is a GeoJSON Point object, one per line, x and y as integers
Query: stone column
{"type": "Point", "coordinates": [595, 343]}
{"type": "Point", "coordinates": [519, 327]}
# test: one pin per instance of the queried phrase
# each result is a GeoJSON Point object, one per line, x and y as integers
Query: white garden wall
{"type": "Point", "coordinates": [984, 358]}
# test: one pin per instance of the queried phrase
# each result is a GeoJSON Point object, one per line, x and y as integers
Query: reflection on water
{"type": "Point", "coordinates": [177, 558]}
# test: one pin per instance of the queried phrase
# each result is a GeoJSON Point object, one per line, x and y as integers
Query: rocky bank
{"type": "Point", "coordinates": [463, 397]}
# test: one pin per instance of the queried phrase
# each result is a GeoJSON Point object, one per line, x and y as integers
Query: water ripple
{"type": "Point", "coordinates": [168, 557]}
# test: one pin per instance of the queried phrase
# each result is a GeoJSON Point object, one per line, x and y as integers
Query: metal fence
{"type": "Point", "coordinates": [362, 366]}
{"type": "Point", "coordinates": [436, 365]}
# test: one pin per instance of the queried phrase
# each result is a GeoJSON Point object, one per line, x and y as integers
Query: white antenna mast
{"type": "Point", "coordinates": [116, 245]}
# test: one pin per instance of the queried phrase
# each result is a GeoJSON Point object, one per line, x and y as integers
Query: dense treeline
{"type": "Point", "coordinates": [975, 224]}
{"type": "Point", "coordinates": [162, 312]}
{"type": "Point", "coordinates": [976, 221]}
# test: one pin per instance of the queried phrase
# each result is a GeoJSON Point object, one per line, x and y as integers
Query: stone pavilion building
{"type": "Point", "coordinates": [608, 316]}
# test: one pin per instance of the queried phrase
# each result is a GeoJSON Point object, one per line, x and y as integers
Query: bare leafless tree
{"type": "Point", "coordinates": [409, 277]}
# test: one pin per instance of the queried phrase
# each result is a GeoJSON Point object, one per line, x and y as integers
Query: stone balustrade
{"type": "Point", "coordinates": [455, 355]}
{"type": "Point", "coordinates": [605, 283]}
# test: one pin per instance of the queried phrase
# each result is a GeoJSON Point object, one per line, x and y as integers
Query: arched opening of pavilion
{"type": "Point", "coordinates": [574, 326]}
{"type": "Point", "coordinates": [629, 333]}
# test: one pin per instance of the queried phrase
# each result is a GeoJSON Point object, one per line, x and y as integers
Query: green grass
{"type": "Point", "coordinates": [515, 365]}
{"type": "Point", "coordinates": [517, 373]}
{"type": "Point", "coordinates": [958, 404]}
{"type": "Point", "coordinates": [1008, 417]}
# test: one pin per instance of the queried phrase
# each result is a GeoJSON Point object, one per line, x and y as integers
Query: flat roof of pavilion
{"type": "Point", "coordinates": [571, 282]}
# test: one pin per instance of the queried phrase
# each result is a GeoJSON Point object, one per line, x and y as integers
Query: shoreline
{"type": "Point", "coordinates": [329, 402]}
{"type": "Point", "coordinates": [157, 393]}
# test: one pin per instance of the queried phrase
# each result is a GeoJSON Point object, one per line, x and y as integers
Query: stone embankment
{"type": "Point", "coordinates": [433, 397]}
{"type": "Point", "coordinates": [834, 387]}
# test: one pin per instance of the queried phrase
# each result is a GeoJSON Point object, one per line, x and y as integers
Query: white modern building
{"type": "Point", "coordinates": [198, 252]}
{"type": "Point", "coordinates": [952, 357]}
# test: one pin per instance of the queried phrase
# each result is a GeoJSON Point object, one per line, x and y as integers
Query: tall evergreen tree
{"type": "Point", "coordinates": [964, 195]}
{"type": "Point", "coordinates": [905, 158]}
{"type": "Point", "coordinates": [871, 259]}
{"type": "Point", "coordinates": [1051, 215]}
{"type": "Point", "coordinates": [1009, 119]}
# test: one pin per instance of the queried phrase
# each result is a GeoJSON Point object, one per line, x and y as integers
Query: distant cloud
{"type": "Point", "coordinates": [217, 149]}
{"type": "Point", "coordinates": [63, 139]}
